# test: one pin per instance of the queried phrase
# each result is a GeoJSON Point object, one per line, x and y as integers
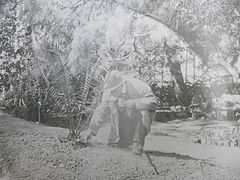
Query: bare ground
{"type": "Point", "coordinates": [31, 151]}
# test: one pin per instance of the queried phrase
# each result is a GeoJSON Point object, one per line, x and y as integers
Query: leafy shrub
{"type": "Point", "coordinates": [167, 94]}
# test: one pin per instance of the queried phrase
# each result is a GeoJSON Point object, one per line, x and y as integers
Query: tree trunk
{"type": "Point", "coordinates": [175, 70]}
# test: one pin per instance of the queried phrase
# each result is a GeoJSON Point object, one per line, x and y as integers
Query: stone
{"type": "Point", "coordinates": [61, 165]}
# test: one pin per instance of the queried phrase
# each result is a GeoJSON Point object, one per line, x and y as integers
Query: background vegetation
{"type": "Point", "coordinates": [55, 54]}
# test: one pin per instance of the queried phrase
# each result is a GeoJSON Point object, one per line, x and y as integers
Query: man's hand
{"type": "Point", "coordinates": [130, 104]}
{"type": "Point", "coordinates": [87, 136]}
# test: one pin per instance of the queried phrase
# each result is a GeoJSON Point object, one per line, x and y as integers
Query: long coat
{"type": "Point", "coordinates": [129, 104]}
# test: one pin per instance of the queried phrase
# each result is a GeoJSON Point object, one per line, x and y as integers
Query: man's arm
{"type": "Point", "coordinates": [115, 114]}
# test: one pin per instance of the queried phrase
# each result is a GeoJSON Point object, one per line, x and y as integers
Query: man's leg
{"type": "Point", "coordinates": [142, 129]}
{"type": "Point", "coordinates": [99, 116]}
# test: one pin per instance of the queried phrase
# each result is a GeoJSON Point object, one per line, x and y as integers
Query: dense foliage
{"type": "Point", "coordinates": [15, 43]}
{"type": "Point", "coordinates": [54, 55]}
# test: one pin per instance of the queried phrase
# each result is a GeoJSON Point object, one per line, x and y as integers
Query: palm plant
{"type": "Point", "coordinates": [74, 96]}
{"type": "Point", "coordinates": [59, 84]}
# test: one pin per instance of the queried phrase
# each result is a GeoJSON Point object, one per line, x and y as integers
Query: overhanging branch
{"type": "Point", "coordinates": [157, 19]}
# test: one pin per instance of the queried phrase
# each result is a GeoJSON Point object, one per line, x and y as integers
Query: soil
{"type": "Point", "coordinates": [32, 151]}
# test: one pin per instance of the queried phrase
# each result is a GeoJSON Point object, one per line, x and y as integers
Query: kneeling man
{"type": "Point", "coordinates": [129, 104]}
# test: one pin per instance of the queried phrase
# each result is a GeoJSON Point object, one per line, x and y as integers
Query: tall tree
{"type": "Point", "coordinates": [15, 41]}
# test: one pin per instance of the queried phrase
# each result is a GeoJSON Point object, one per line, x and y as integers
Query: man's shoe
{"type": "Point", "coordinates": [113, 145]}
{"type": "Point", "coordinates": [137, 149]}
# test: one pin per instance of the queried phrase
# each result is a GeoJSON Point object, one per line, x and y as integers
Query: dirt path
{"type": "Point", "coordinates": [30, 151]}
{"type": "Point", "coordinates": [176, 137]}
{"type": "Point", "coordinates": [218, 155]}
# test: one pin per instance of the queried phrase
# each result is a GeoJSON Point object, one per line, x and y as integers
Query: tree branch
{"type": "Point", "coordinates": [157, 19]}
